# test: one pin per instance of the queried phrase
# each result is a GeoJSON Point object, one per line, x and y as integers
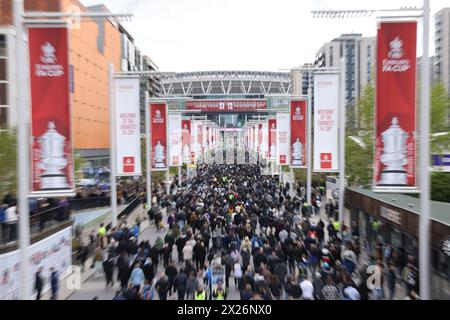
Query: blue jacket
{"type": "Point", "coordinates": [54, 281]}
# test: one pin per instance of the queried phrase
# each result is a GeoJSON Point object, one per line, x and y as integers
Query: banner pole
{"type": "Point", "coordinates": [342, 120]}
{"type": "Point", "coordinates": [309, 145]}
{"type": "Point", "coordinates": [22, 153]}
{"type": "Point", "coordinates": [112, 133]}
{"type": "Point", "coordinates": [148, 151]}
{"type": "Point", "coordinates": [424, 225]}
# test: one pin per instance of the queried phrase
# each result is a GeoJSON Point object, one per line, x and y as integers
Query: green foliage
{"type": "Point", "coordinates": [78, 161]}
{"type": "Point", "coordinates": [359, 159]}
{"type": "Point", "coordinates": [440, 108]}
{"type": "Point", "coordinates": [440, 182]}
{"type": "Point", "coordinates": [8, 162]}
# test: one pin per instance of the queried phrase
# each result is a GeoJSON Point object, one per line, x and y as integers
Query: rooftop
{"type": "Point", "coordinates": [440, 211]}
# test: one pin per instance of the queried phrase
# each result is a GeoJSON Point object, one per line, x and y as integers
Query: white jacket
{"type": "Point", "coordinates": [11, 215]}
{"type": "Point", "coordinates": [187, 252]}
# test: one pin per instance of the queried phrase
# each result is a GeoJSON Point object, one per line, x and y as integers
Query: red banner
{"type": "Point", "coordinates": [226, 105]}
{"type": "Point", "coordinates": [272, 139]}
{"type": "Point", "coordinates": [298, 133]}
{"type": "Point", "coordinates": [395, 152]}
{"type": "Point", "coordinates": [158, 120]}
{"type": "Point", "coordinates": [186, 141]}
{"type": "Point", "coordinates": [52, 158]}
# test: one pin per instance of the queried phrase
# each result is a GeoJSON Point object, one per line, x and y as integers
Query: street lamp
{"type": "Point", "coordinates": [424, 226]}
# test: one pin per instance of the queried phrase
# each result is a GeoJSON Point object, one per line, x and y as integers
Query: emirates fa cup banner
{"type": "Point", "coordinates": [175, 138]}
{"type": "Point", "coordinates": [298, 133]}
{"type": "Point", "coordinates": [283, 142]}
{"type": "Point", "coordinates": [128, 135]}
{"type": "Point", "coordinates": [158, 120]}
{"type": "Point", "coordinates": [265, 141]}
{"type": "Point", "coordinates": [186, 142]}
{"type": "Point", "coordinates": [51, 144]}
{"type": "Point", "coordinates": [260, 138]}
{"type": "Point", "coordinates": [195, 146]}
{"type": "Point", "coordinates": [272, 139]}
{"type": "Point", "coordinates": [326, 104]}
{"type": "Point", "coordinates": [395, 150]}
{"type": "Point", "coordinates": [200, 147]}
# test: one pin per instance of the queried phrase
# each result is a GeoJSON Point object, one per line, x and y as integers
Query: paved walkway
{"type": "Point", "coordinates": [86, 216]}
{"type": "Point", "coordinates": [95, 288]}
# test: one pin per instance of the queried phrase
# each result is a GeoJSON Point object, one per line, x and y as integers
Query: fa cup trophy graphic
{"type": "Point", "coordinates": [394, 156]}
{"type": "Point", "coordinates": [159, 155]}
{"type": "Point", "coordinates": [53, 160]}
{"type": "Point", "coordinates": [297, 153]}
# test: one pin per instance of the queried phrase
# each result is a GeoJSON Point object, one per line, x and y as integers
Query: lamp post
{"type": "Point", "coordinates": [424, 226]}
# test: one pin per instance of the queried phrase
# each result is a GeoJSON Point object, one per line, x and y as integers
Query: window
{"type": "Point", "coordinates": [3, 95]}
{"type": "Point", "coordinates": [2, 69]}
{"type": "Point", "coordinates": [3, 117]}
{"type": "Point", "coordinates": [331, 56]}
{"type": "Point", "coordinates": [2, 45]}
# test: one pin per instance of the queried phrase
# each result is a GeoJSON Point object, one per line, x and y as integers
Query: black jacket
{"type": "Point", "coordinates": [180, 281]}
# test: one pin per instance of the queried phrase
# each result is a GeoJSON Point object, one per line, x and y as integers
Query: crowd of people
{"type": "Point", "coordinates": [268, 243]}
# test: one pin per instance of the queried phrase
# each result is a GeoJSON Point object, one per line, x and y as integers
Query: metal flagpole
{"type": "Point", "coordinates": [424, 226]}
{"type": "Point", "coordinates": [112, 133]}
{"type": "Point", "coordinates": [148, 152]}
{"type": "Point", "coordinates": [309, 145]}
{"type": "Point", "coordinates": [342, 120]}
{"type": "Point", "coordinates": [179, 176]}
{"type": "Point", "coordinates": [22, 153]}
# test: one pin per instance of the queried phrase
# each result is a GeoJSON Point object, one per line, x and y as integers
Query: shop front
{"type": "Point", "coordinates": [393, 220]}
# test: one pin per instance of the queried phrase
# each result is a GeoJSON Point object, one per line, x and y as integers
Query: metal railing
{"type": "Point", "coordinates": [80, 204]}
{"type": "Point", "coordinates": [39, 222]}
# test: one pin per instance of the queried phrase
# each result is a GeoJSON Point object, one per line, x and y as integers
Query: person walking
{"type": "Point", "coordinates": [39, 283]}
{"type": "Point", "coordinates": [98, 258]}
{"type": "Point", "coordinates": [108, 269]}
{"type": "Point", "coordinates": [137, 276]}
{"type": "Point", "coordinates": [54, 283]}
{"type": "Point", "coordinates": [180, 284]}
{"type": "Point", "coordinates": [162, 286]}
{"type": "Point", "coordinates": [391, 280]}
{"type": "Point", "coordinates": [200, 294]}
{"type": "Point", "coordinates": [219, 293]}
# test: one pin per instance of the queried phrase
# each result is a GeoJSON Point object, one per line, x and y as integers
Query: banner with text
{"type": "Point", "coordinates": [272, 139]}
{"type": "Point", "coordinates": [395, 128]}
{"type": "Point", "coordinates": [283, 131]}
{"type": "Point", "coordinates": [188, 155]}
{"type": "Point", "coordinates": [175, 140]}
{"type": "Point", "coordinates": [326, 106]}
{"type": "Point", "coordinates": [128, 135]}
{"type": "Point", "coordinates": [51, 143]}
{"type": "Point", "coordinates": [265, 140]}
{"type": "Point", "coordinates": [298, 133]}
{"type": "Point", "coordinates": [158, 120]}
{"type": "Point", "coordinates": [226, 105]}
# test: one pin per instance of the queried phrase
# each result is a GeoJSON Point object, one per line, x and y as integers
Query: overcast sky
{"type": "Point", "coordinates": [198, 35]}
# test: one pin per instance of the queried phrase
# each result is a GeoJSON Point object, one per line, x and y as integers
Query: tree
{"type": "Point", "coordinates": [359, 156]}
{"type": "Point", "coordinates": [440, 182]}
{"type": "Point", "coordinates": [440, 108]}
{"type": "Point", "coordinates": [8, 161]}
